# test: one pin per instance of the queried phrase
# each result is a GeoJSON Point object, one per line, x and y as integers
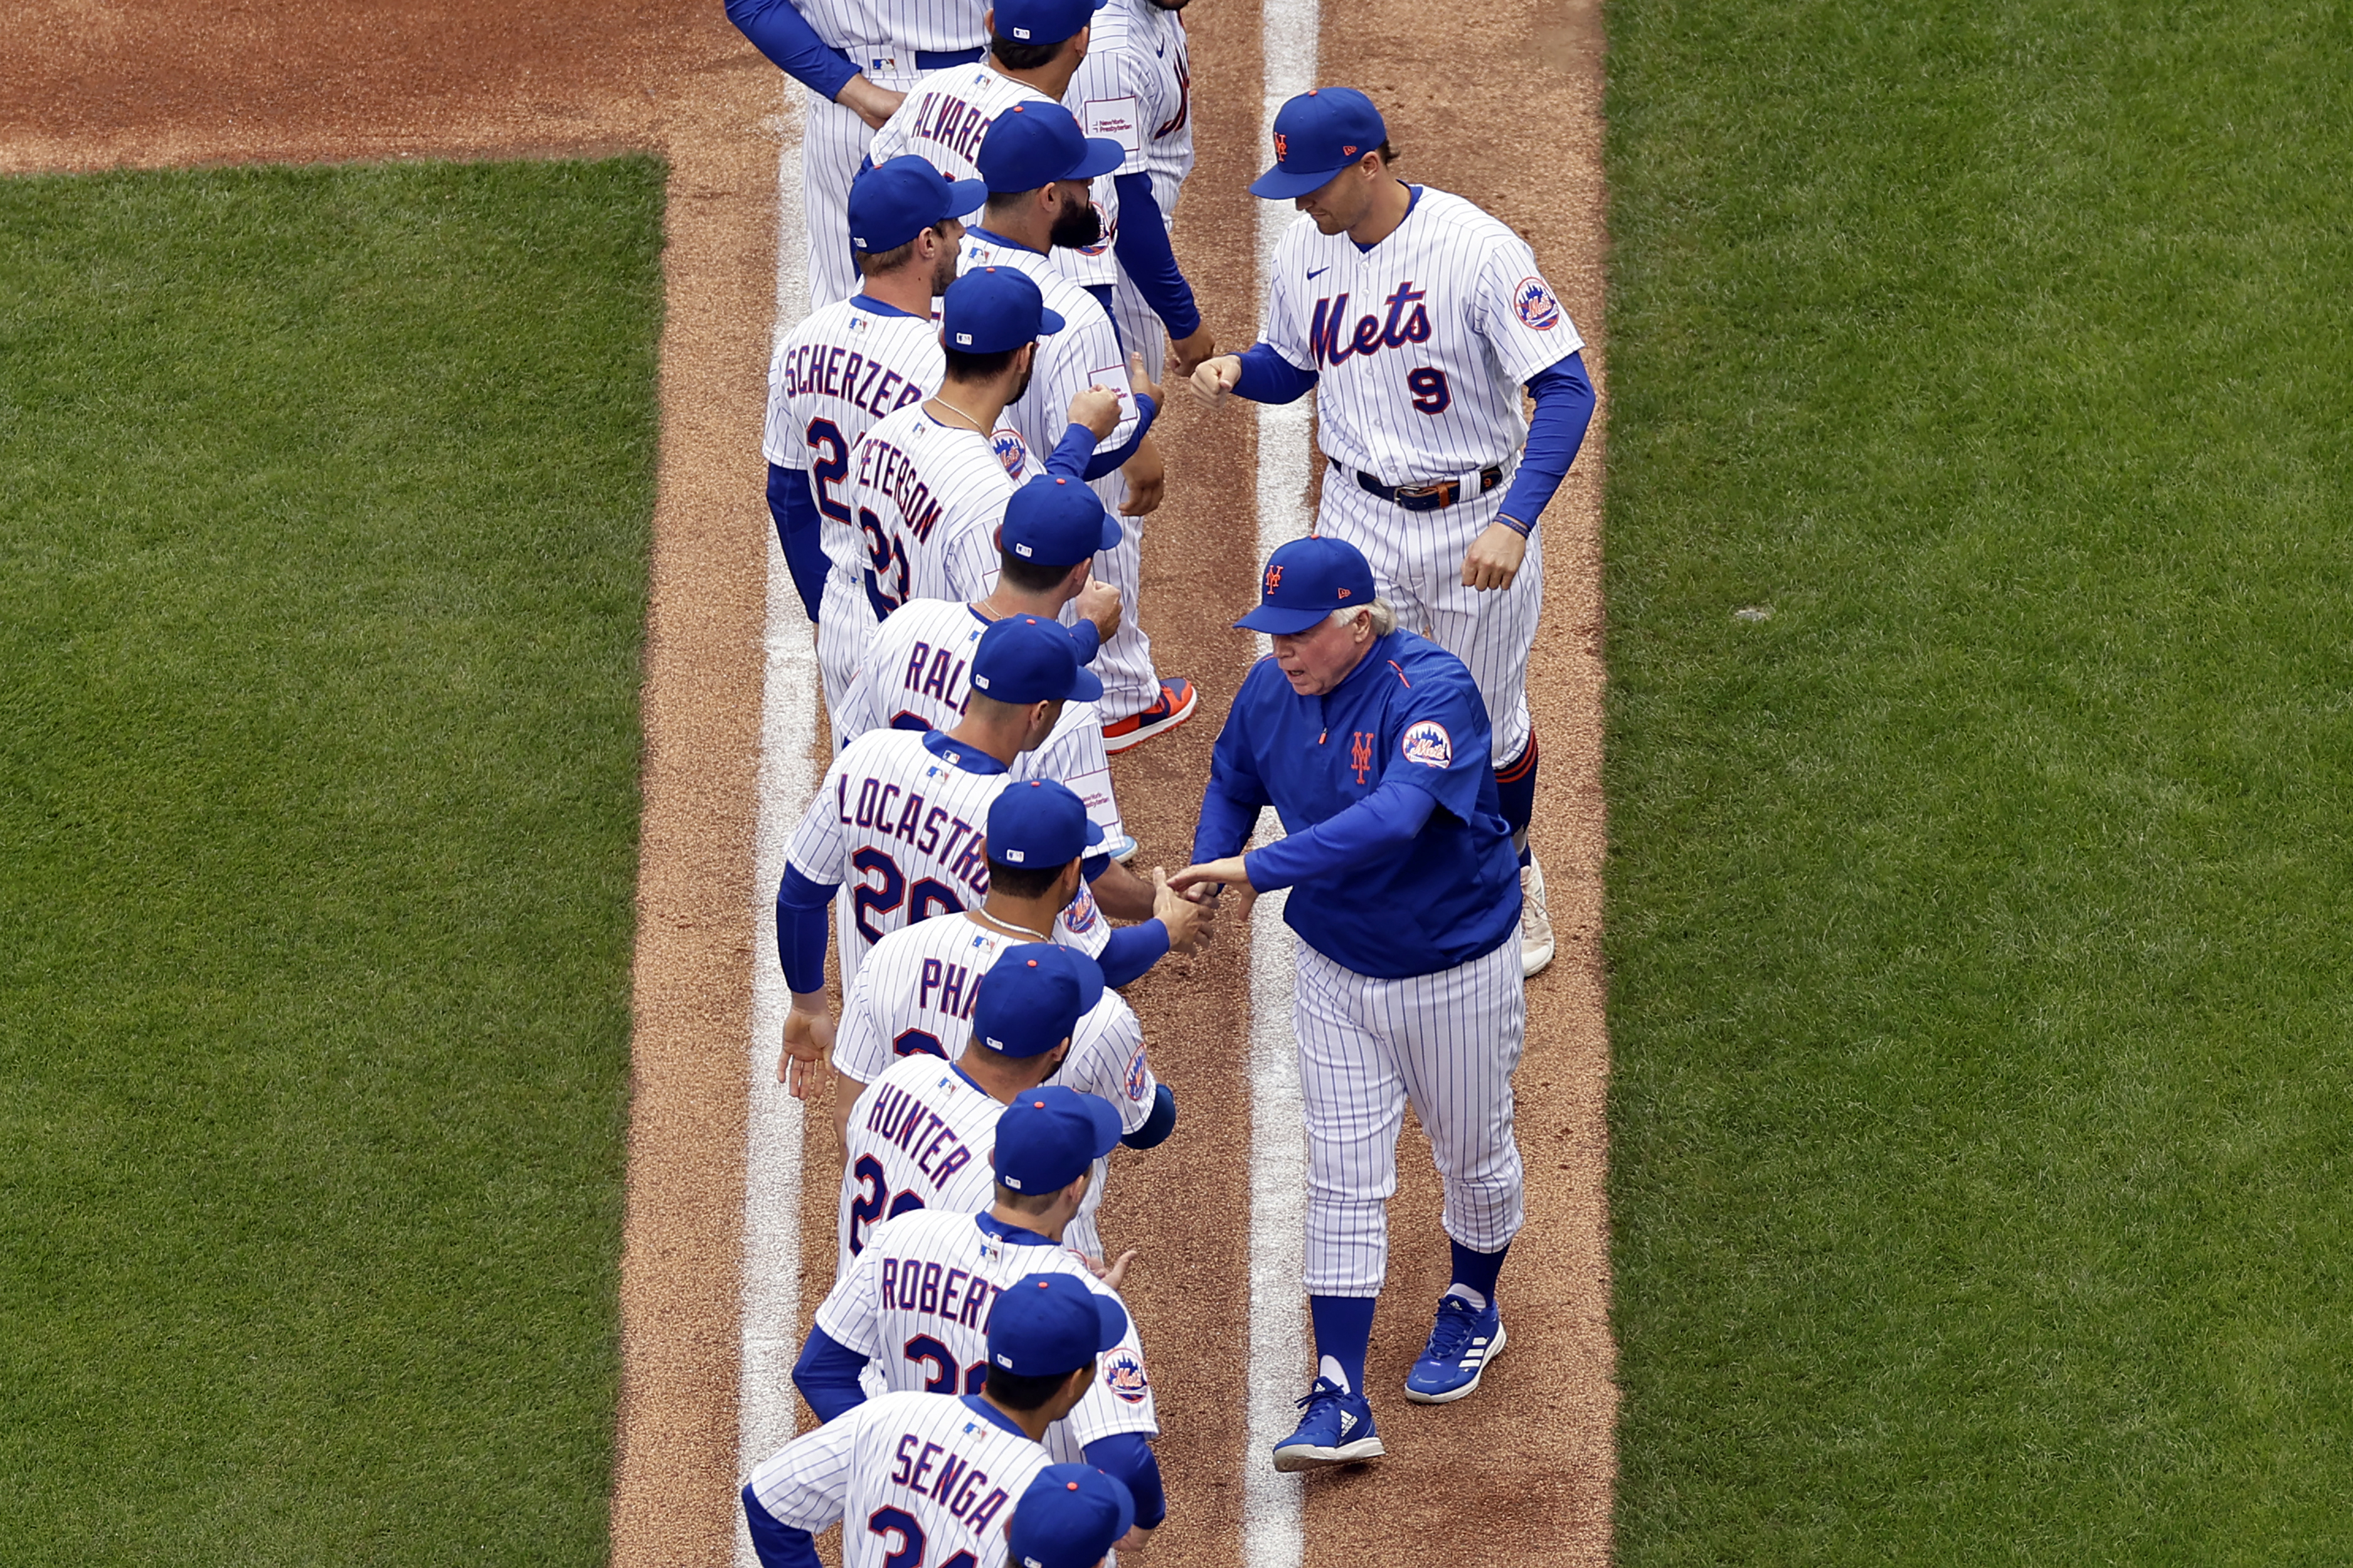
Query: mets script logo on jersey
{"type": "Point", "coordinates": [1010, 451]}
{"type": "Point", "coordinates": [1123, 1375]}
{"type": "Point", "coordinates": [1360, 753]}
{"type": "Point", "coordinates": [1427, 742]}
{"type": "Point", "coordinates": [1137, 1075]}
{"type": "Point", "coordinates": [1406, 321]}
{"type": "Point", "coordinates": [1536, 305]}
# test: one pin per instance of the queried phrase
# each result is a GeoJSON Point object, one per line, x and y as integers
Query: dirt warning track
{"type": "Point", "coordinates": [1522, 1472]}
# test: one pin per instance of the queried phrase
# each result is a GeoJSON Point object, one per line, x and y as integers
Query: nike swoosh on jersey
{"type": "Point", "coordinates": [1321, 271]}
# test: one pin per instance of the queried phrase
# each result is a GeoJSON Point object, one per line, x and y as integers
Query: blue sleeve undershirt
{"type": "Point", "coordinates": [1159, 1124]}
{"type": "Point", "coordinates": [1089, 637]}
{"type": "Point", "coordinates": [1131, 951]}
{"type": "Point", "coordinates": [804, 921]}
{"type": "Point", "coordinates": [827, 1375]}
{"type": "Point", "coordinates": [795, 509]}
{"type": "Point", "coordinates": [777, 1545]}
{"type": "Point", "coordinates": [1267, 377]}
{"type": "Point", "coordinates": [1229, 814]}
{"type": "Point", "coordinates": [1072, 453]}
{"type": "Point", "coordinates": [1564, 395]}
{"type": "Point", "coordinates": [783, 35]}
{"type": "Point", "coordinates": [1144, 254]}
{"type": "Point", "coordinates": [1107, 462]}
{"type": "Point", "coordinates": [1375, 827]}
{"type": "Point", "coordinates": [1129, 1456]}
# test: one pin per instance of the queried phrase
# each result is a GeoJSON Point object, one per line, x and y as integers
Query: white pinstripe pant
{"type": "Point", "coordinates": [1449, 1043]}
{"type": "Point", "coordinates": [1417, 560]}
{"type": "Point", "coordinates": [833, 143]}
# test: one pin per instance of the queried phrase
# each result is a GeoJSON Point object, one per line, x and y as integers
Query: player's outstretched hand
{"type": "Point", "coordinates": [1097, 409]}
{"type": "Point", "coordinates": [1139, 382]}
{"type": "Point", "coordinates": [1115, 1275]}
{"type": "Point", "coordinates": [870, 102]}
{"type": "Point", "coordinates": [809, 1047]}
{"type": "Point", "coordinates": [1188, 920]}
{"type": "Point", "coordinates": [1099, 602]}
{"type": "Point", "coordinates": [1148, 479]}
{"type": "Point", "coordinates": [1185, 354]}
{"type": "Point", "coordinates": [1213, 378]}
{"type": "Point", "coordinates": [1494, 557]}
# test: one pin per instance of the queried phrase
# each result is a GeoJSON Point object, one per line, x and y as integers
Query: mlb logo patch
{"type": "Point", "coordinates": [1123, 1375]}
{"type": "Point", "coordinates": [1535, 305]}
{"type": "Point", "coordinates": [1427, 742]}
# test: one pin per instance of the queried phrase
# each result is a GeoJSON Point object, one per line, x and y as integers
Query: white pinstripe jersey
{"type": "Point", "coordinates": [833, 378]}
{"type": "Point", "coordinates": [916, 1303]}
{"type": "Point", "coordinates": [861, 28]}
{"type": "Point", "coordinates": [925, 1473]}
{"type": "Point", "coordinates": [1084, 353]}
{"type": "Point", "coordinates": [920, 1137]}
{"type": "Point", "coordinates": [926, 497]}
{"type": "Point", "coordinates": [1136, 88]}
{"type": "Point", "coordinates": [917, 675]}
{"type": "Point", "coordinates": [1420, 344]}
{"type": "Point", "coordinates": [942, 121]}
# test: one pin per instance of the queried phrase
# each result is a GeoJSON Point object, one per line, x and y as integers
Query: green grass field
{"type": "Point", "coordinates": [1982, 952]}
{"type": "Point", "coordinates": [324, 501]}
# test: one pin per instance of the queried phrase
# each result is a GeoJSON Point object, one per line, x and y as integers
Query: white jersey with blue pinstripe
{"type": "Point", "coordinates": [917, 674]}
{"type": "Point", "coordinates": [897, 28]}
{"type": "Point", "coordinates": [919, 1138]}
{"type": "Point", "coordinates": [1420, 344]}
{"type": "Point", "coordinates": [1084, 353]}
{"type": "Point", "coordinates": [916, 1304]}
{"type": "Point", "coordinates": [1136, 88]}
{"type": "Point", "coordinates": [908, 1477]}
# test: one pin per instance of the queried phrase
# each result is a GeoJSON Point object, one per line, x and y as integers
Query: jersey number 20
{"type": "Point", "coordinates": [886, 1523]}
{"type": "Point", "coordinates": [1430, 393]}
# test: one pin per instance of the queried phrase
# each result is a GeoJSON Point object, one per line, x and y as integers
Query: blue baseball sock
{"type": "Point", "coordinates": [1344, 1327]}
{"type": "Point", "coordinates": [1515, 793]}
{"type": "Point", "coordinates": [1475, 1272]}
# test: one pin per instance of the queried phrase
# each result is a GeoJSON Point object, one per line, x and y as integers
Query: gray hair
{"type": "Point", "coordinates": [1384, 616]}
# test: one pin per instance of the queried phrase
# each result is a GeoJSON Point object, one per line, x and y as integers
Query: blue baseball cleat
{"type": "Point", "coordinates": [1336, 1430]}
{"type": "Point", "coordinates": [1461, 1342]}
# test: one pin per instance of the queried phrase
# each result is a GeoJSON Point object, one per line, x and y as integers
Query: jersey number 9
{"type": "Point", "coordinates": [1430, 393]}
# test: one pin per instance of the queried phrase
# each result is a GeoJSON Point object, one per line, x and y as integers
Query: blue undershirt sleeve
{"type": "Point", "coordinates": [1564, 395]}
{"type": "Point", "coordinates": [1089, 637]}
{"type": "Point", "coordinates": [1267, 377]}
{"type": "Point", "coordinates": [1382, 823]}
{"type": "Point", "coordinates": [795, 509]}
{"type": "Point", "coordinates": [1128, 1456]}
{"type": "Point", "coordinates": [1072, 453]}
{"type": "Point", "coordinates": [1105, 462]}
{"type": "Point", "coordinates": [804, 921]}
{"type": "Point", "coordinates": [1131, 951]}
{"type": "Point", "coordinates": [780, 32]}
{"type": "Point", "coordinates": [1159, 1124]}
{"type": "Point", "coordinates": [775, 1545]}
{"type": "Point", "coordinates": [827, 1375]}
{"type": "Point", "coordinates": [1147, 257]}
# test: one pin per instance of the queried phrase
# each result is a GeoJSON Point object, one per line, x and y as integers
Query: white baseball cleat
{"type": "Point", "coordinates": [1535, 921]}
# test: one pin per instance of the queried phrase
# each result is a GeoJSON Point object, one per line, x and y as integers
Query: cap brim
{"type": "Point", "coordinates": [1049, 322]}
{"type": "Point", "coordinates": [967, 196]}
{"type": "Point", "coordinates": [1111, 1318]}
{"type": "Point", "coordinates": [1103, 156]}
{"type": "Point", "coordinates": [1086, 685]}
{"type": "Point", "coordinates": [1090, 975]}
{"type": "Point", "coordinates": [1110, 534]}
{"type": "Point", "coordinates": [1275, 621]}
{"type": "Point", "coordinates": [1280, 184]}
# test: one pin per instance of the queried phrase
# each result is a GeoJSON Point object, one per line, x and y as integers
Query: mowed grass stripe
{"type": "Point", "coordinates": [324, 504]}
{"type": "Point", "coordinates": [1982, 980]}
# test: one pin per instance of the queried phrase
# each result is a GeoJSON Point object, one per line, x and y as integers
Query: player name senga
{"type": "Point", "coordinates": [924, 1134]}
{"type": "Point", "coordinates": [886, 809]}
{"type": "Point", "coordinates": [929, 1470]}
{"type": "Point", "coordinates": [829, 370]}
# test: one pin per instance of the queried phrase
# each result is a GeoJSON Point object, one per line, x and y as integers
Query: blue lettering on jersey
{"type": "Point", "coordinates": [915, 1284]}
{"type": "Point", "coordinates": [1372, 333]}
{"type": "Point", "coordinates": [948, 120]}
{"type": "Point", "coordinates": [883, 467]}
{"type": "Point", "coordinates": [921, 1133]}
{"type": "Point", "coordinates": [956, 1485]}
{"type": "Point", "coordinates": [829, 370]}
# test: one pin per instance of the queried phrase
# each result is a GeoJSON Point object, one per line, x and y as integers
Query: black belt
{"type": "Point", "coordinates": [933, 60]}
{"type": "Point", "coordinates": [1426, 498]}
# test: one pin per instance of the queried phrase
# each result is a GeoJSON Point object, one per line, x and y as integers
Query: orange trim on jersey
{"type": "Point", "coordinates": [1521, 768]}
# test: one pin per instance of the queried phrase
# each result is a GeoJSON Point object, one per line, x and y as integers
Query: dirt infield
{"type": "Point", "coordinates": [1523, 1473]}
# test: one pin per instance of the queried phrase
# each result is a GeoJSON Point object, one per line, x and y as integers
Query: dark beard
{"type": "Point", "coordinates": [1170, 5]}
{"type": "Point", "coordinates": [1022, 386]}
{"type": "Point", "coordinates": [944, 271]}
{"type": "Point", "coordinates": [1078, 227]}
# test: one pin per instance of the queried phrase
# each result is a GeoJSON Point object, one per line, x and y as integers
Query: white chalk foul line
{"type": "Point", "coordinates": [1272, 1534]}
{"type": "Point", "coordinates": [772, 1165]}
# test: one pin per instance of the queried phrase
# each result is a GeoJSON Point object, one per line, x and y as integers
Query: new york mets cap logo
{"type": "Point", "coordinates": [1282, 148]}
{"type": "Point", "coordinates": [1426, 742]}
{"type": "Point", "coordinates": [1537, 307]}
{"type": "Point", "coordinates": [1010, 451]}
{"type": "Point", "coordinates": [1123, 1375]}
{"type": "Point", "coordinates": [1273, 578]}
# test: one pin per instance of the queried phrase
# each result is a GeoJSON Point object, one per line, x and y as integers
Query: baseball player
{"type": "Point", "coordinates": [1036, 165]}
{"type": "Point", "coordinates": [912, 1306]}
{"type": "Point", "coordinates": [1372, 745]}
{"type": "Point", "coordinates": [1069, 1517]}
{"type": "Point", "coordinates": [913, 675]}
{"type": "Point", "coordinates": [931, 1478]}
{"type": "Point", "coordinates": [1417, 319]}
{"type": "Point", "coordinates": [852, 363]}
{"type": "Point", "coordinates": [900, 817]}
{"type": "Point", "coordinates": [857, 58]}
{"type": "Point", "coordinates": [944, 464]}
{"type": "Point", "coordinates": [919, 1135]}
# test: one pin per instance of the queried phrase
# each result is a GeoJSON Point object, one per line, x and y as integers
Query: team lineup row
{"type": "Point", "coordinates": [959, 440]}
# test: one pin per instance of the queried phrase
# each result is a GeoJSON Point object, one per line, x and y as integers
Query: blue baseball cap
{"type": "Point", "coordinates": [1034, 144]}
{"type": "Point", "coordinates": [893, 202]}
{"type": "Point", "coordinates": [992, 309]}
{"type": "Point", "coordinates": [1306, 581]}
{"type": "Point", "coordinates": [1043, 21]}
{"type": "Point", "coordinates": [1070, 1517]}
{"type": "Point", "coordinates": [1025, 658]}
{"type": "Point", "coordinates": [1049, 1136]}
{"type": "Point", "coordinates": [1033, 998]}
{"type": "Point", "coordinates": [1056, 522]}
{"type": "Point", "coordinates": [1316, 135]}
{"type": "Point", "coordinates": [1047, 1323]}
{"type": "Point", "coordinates": [1039, 822]}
